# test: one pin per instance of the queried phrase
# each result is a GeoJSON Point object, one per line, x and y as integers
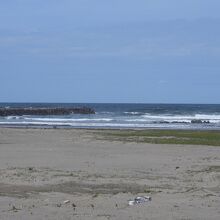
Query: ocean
{"type": "Point", "coordinates": [161, 116]}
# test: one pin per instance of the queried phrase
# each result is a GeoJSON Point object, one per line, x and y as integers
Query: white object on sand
{"type": "Point", "coordinates": [139, 200]}
{"type": "Point", "coordinates": [66, 201]}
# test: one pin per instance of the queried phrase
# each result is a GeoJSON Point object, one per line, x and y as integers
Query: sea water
{"type": "Point", "coordinates": [164, 116]}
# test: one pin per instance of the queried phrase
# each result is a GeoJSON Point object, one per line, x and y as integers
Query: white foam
{"type": "Point", "coordinates": [130, 121]}
{"type": "Point", "coordinates": [68, 119]}
{"type": "Point", "coordinates": [88, 124]}
{"type": "Point", "coordinates": [159, 120]}
{"type": "Point", "coordinates": [183, 118]}
{"type": "Point", "coordinates": [13, 117]}
{"type": "Point", "coordinates": [133, 113]}
{"type": "Point", "coordinates": [207, 117]}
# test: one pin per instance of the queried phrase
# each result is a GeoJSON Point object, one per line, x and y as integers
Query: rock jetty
{"type": "Point", "coordinates": [44, 111]}
{"type": "Point", "coordinates": [199, 121]}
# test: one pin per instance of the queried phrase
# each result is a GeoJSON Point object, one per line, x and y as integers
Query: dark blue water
{"type": "Point", "coordinates": [168, 116]}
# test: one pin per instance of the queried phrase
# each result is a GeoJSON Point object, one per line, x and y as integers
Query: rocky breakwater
{"type": "Point", "coordinates": [199, 121]}
{"type": "Point", "coordinates": [44, 111]}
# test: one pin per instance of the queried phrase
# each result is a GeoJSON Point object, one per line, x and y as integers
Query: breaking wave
{"type": "Point", "coordinates": [129, 116]}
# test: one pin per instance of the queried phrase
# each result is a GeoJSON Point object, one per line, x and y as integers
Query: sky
{"type": "Point", "coordinates": [115, 51]}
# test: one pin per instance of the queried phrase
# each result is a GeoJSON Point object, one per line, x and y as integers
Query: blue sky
{"type": "Point", "coordinates": [147, 51]}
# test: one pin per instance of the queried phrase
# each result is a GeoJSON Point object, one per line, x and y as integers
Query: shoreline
{"type": "Point", "coordinates": [75, 174]}
{"type": "Point", "coordinates": [103, 128]}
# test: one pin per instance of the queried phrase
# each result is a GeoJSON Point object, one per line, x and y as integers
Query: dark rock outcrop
{"type": "Point", "coordinates": [196, 121]}
{"type": "Point", "coordinates": [199, 121]}
{"type": "Point", "coordinates": [44, 111]}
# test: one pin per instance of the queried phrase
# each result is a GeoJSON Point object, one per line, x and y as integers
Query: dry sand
{"type": "Point", "coordinates": [42, 168]}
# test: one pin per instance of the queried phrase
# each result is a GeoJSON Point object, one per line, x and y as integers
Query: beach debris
{"type": "Point", "coordinates": [139, 200]}
{"type": "Point", "coordinates": [66, 201]}
{"type": "Point", "coordinates": [74, 206]}
{"type": "Point", "coordinates": [14, 209]}
{"type": "Point", "coordinates": [95, 195]}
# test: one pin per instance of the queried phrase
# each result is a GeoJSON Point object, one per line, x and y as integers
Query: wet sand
{"type": "Point", "coordinates": [73, 174]}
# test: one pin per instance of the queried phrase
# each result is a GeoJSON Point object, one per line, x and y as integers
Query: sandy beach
{"type": "Point", "coordinates": [74, 174]}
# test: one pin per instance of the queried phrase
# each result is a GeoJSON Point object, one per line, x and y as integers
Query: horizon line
{"type": "Point", "coordinates": [150, 103]}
